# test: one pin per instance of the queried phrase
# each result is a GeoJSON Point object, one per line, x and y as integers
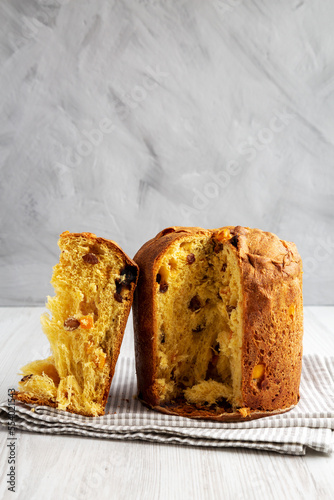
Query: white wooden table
{"type": "Point", "coordinates": [68, 467]}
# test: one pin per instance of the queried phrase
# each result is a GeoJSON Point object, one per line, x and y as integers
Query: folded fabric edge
{"type": "Point", "coordinates": [321, 445]}
{"type": "Point", "coordinates": [284, 448]}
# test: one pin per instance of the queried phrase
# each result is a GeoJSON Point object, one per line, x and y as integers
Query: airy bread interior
{"type": "Point", "coordinates": [93, 289]}
{"type": "Point", "coordinates": [199, 320]}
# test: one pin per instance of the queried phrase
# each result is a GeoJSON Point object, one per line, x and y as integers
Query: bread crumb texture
{"type": "Point", "coordinates": [200, 324]}
{"type": "Point", "coordinates": [94, 282]}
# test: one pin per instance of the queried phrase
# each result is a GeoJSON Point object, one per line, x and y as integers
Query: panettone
{"type": "Point", "coordinates": [218, 321]}
{"type": "Point", "coordinates": [94, 284]}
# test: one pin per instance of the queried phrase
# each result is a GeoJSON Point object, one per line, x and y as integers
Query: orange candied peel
{"type": "Point", "coordinates": [244, 411]}
{"type": "Point", "coordinates": [100, 360]}
{"type": "Point", "coordinates": [292, 310]}
{"type": "Point", "coordinates": [258, 371]}
{"type": "Point", "coordinates": [224, 234]}
{"type": "Point", "coordinates": [97, 356]}
{"type": "Point", "coordinates": [86, 322]}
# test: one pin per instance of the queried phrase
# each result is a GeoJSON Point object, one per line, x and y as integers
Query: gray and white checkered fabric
{"type": "Point", "coordinates": [310, 424]}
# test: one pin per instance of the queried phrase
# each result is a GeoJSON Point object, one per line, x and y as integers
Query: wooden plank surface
{"type": "Point", "coordinates": [71, 467]}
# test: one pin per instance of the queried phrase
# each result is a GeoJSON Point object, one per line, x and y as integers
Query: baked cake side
{"type": "Point", "coordinates": [94, 283]}
{"type": "Point", "coordinates": [222, 329]}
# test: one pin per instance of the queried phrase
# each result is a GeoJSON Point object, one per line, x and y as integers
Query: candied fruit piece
{"type": "Point", "coordinates": [244, 412]}
{"type": "Point", "coordinates": [292, 310]}
{"type": "Point", "coordinates": [224, 234]}
{"type": "Point", "coordinates": [86, 322]}
{"type": "Point", "coordinates": [258, 371]}
{"type": "Point", "coordinates": [71, 324]}
{"type": "Point", "coordinates": [191, 258]}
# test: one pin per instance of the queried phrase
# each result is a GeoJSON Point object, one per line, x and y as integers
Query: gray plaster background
{"type": "Point", "coordinates": [122, 118]}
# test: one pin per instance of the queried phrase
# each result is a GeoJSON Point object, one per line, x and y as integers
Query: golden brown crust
{"type": "Point", "coordinates": [96, 239]}
{"type": "Point", "coordinates": [271, 273]}
{"type": "Point", "coordinates": [21, 396]}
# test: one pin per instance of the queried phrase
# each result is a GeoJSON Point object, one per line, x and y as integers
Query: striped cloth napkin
{"type": "Point", "coordinates": [310, 424]}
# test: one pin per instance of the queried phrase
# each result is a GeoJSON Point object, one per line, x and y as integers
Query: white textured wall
{"type": "Point", "coordinates": [124, 117]}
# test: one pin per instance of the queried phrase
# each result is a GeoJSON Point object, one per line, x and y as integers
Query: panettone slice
{"type": "Point", "coordinates": [94, 283]}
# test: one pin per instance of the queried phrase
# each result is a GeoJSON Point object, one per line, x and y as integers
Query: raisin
{"type": "Point", "coordinates": [191, 258]}
{"type": "Point", "coordinates": [235, 240]}
{"type": "Point", "coordinates": [71, 324]}
{"type": "Point", "coordinates": [158, 278]}
{"type": "Point", "coordinates": [217, 246]}
{"type": "Point", "coordinates": [199, 328]}
{"type": "Point", "coordinates": [229, 309]}
{"type": "Point", "coordinates": [119, 286]}
{"type": "Point", "coordinates": [118, 297]}
{"type": "Point", "coordinates": [26, 377]}
{"type": "Point", "coordinates": [195, 304]}
{"type": "Point", "coordinates": [129, 275]}
{"type": "Point", "coordinates": [163, 287]}
{"type": "Point", "coordinates": [90, 258]}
